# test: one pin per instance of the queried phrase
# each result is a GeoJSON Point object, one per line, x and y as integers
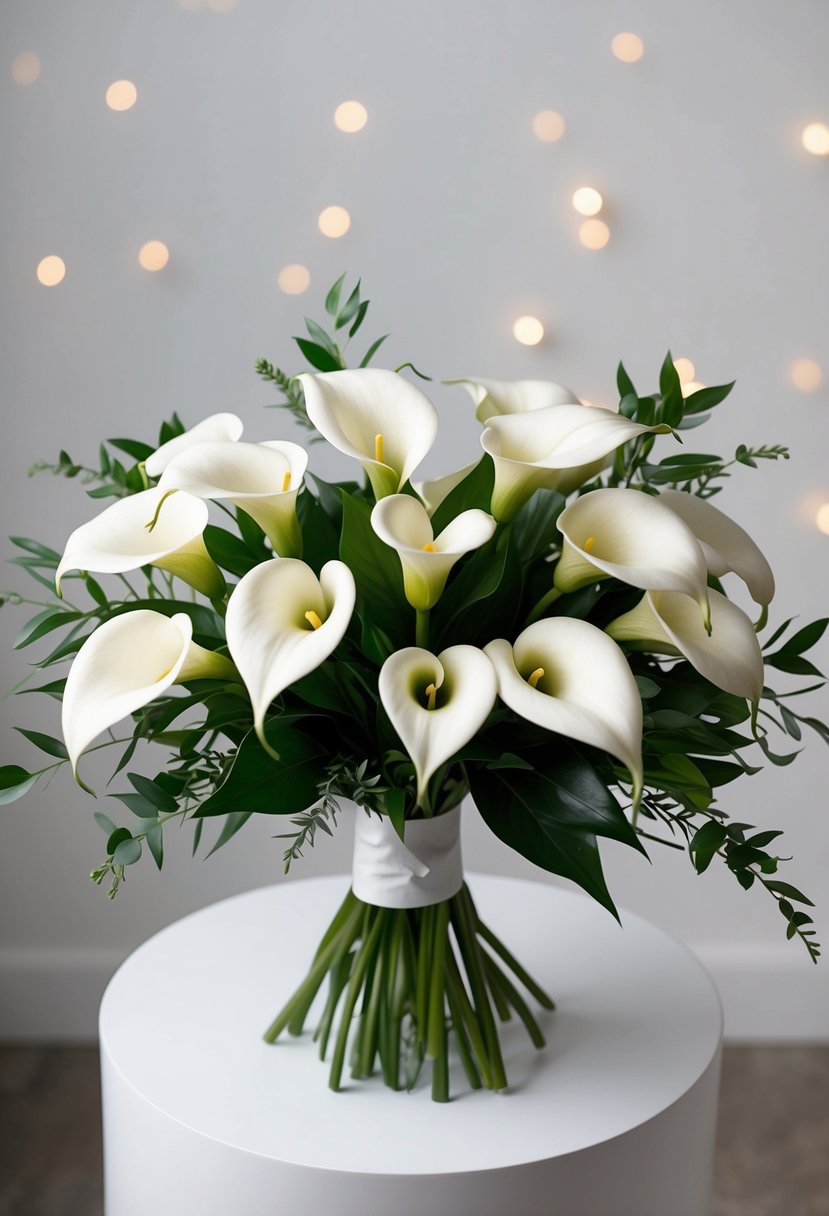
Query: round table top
{"type": "Point", "coordinates": [637, 1022]}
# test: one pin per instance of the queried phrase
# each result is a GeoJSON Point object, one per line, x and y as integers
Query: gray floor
{"type": "Point", "coordinates": [773, 1157]}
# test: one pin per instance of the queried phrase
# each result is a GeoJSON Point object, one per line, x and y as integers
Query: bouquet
{"type": "Point", "coordinates": [545, 629]}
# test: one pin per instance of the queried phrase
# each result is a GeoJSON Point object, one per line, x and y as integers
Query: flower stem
{"type": "Point", "coordinates": [361, 962]}
{"type": "Point", "coordinates": [422, 628]}
{"type": "Point", "coordinates": [543, 604]}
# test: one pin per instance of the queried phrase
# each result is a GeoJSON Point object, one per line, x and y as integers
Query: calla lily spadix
{"type": "Point", "coordinates": [282, 622]}
{"type": "Point", "coordinates": [495, 397]}
{"type": "Point", "coordinates": [436, 703]}
{"type": "Point", "coordinates": [433, 492]}
{"type": "Point", "coordinates": [376, 417]}
{"type": "Point", "coordinates": [625, 534]}
{"type": "Point", "coordinates": [124, 538]}
{"type": "Point", "coordinates": [262, 479]}
{"type": "Point", "coordinates": [727, 547]}
{"type": "Point", "coordinates": [559, 447]}
{"type": "Point", "coordinates": [666, 622]}
{"type": "Point", "coordinates": [403, 523]}
{"type": "Point", "coordinates": [225, 428]}
{"type": "Point", "coordinates": [562, 674]}
{"type": "Point", "coordinates": [126, 663]}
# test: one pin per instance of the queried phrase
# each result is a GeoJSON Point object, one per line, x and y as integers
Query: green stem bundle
{"type": "Point", "coordinates": [401, 982]}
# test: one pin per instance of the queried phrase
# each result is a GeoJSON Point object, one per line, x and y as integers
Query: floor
{"type": "Point", "coordinates": [773, 1156]}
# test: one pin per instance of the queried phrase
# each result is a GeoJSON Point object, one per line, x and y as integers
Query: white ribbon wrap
{"type": "Point", "coordinates": [426, 870]}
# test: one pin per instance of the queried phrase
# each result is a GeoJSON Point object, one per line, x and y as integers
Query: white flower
{"type": "Point", "coordinates": [262, 479]}
{"type": "Point", "coordinates": [220, 427]}
{"type": "Point", "coordinates": [726, 546]}
{"type": "Point", "coordinates": [624, 534]}
{"type": "Point", "coordinates": [127, 662]}
{"type": "Point", "coordinates": [436, 703]}
{"type": "Point", "coordinates": [376, 417]}
{"type": "Point", "coordinates": [123, 538]}
{"type": "Point", "coordinates": [433, 492]}
{"type": "Point", "coordinates": [666, 622]}
{"type": "Point", "coordinates": [495, 397]}
{"type": "Point", "coordinates": [562, 674]}
{"type": "Point", "coordinates": [282, 622]}
{"type": "Point", "coordinates": [403, 523]}
{"type": "Point", "coordinates": [559, 447]}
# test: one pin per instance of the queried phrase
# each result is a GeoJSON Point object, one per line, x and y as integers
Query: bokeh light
{"type": "Point", "coordinates": [628, 47]}
{"type": "Point", "coordinates": [815, 138]}
{"type": "Point", "coordinates": [685, 370]}
{"type": "Point", "coordinates": [121, 95]}
{"type": "Point", "coordinates": [822, 518]}
{"type": "Point", "coordinates": [806, 375]}
{"type": "Point", "coordinates": [528, 331]}
{"type": "Point", "coordinates": [587, 201]}
{"type": "Point", "coordinates": [26, 67]}
{"type": "Point", "coordinates": [548, 126]}
{"type": "Point", "coordinates": [154, 255]}
{"type": "Point", "coordinates": [594, 234]}
{"type": "Point", "coordinates": [51, 270]}
{"type": "Point", "coordinates": [350, 116]}
{"type": "Point", "coordinates": [294, 279]}
{"type": "Point", "coordinates": [334, 221]}
{"type": "Point", "coordinates": [690, 387]}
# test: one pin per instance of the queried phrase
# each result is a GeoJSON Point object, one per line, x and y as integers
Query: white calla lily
{"type": "Point", "coordinates": [562, 674]}
{"type": "Point", "coordinates": [436, 703]}
{"type": "Point", "coordinates": [282, 622]}
{"type": "Point", "coordinates": [625, 534]}
{"type": "Point", "coordinates": [125, 537]}
{"type": "Point", "coordinates": [496, 397]}
{"type": "Point", "coordinates": [403, 523]}
{"type": "Point", "coordinates": [225, 428]}
{"type": "Point", "coordinates": [559, 447]}
{"type": "Point", "coordinates": [376, 417]}
{"type": "Point", "coordinates": [262, 479]}
{"type": "Point", "coordinates": [666, 622]}
{"type": "Point", "coordinates": [127, 662]}
{"type": "Point", "coordinates": [727, 546]}
{"type": "Point", "coordinates": [433, 492]}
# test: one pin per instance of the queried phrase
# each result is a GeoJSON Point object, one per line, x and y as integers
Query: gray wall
{"type": "Point", "coordinates": [461, 221]}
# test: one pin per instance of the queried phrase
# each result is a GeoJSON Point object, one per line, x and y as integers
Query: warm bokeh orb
{"type": "Point", "coordinates": [594, 234]}
{"type": "Point", "coordinates": [548, 126]}
{"type": "Point", "coordinates": [334, 221]}
{"type": "Point", "coordinates": [528, 331]}
{"type": "Point", "coordinates": [294, 279]}
{"type": "Point", "coordinates": [154, 255]}
{"type": "Point", "coordinates": [51, 270]}
{"type": "Point", "coordinates": [350, 116]}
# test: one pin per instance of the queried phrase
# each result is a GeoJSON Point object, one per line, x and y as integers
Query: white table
{"type": "Point", "coordinates": [202, 1118]}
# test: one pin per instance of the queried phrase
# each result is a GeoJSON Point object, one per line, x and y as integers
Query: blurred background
{"type": "Point", "coordinates": [183, 184]}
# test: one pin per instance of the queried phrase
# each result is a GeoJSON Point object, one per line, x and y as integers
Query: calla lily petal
{"type": "Point", "coordinates": [403, 523]}
{"type": "Point", "coordinates": [262, 479]}
{"type": "Point", "coordinates": [127, 662]}
{"type": "Point", "coordinates": [559, 447]}
{"type": "Point", "coordinates": [376, 417]}
{"type": "Point", "coordinates": [459, 684]}
{"type": "Point", "coordinates": [727, 546]}
{"type": "Point", "coordinates": [495, 397]}
{"type": "Point", "coordinates": [562, 675]}
{"type": "Point", "coordinates": [121, 538]}
{"type": "Point", "coordinates": [219, 427]}
{"type": "Point", "coordinates": [624, 534]}
{"type": "Point", "coordinates": [666, 622]}
{"type": "Point", "coordinates": [282, 622]}
{"type": "Point", "coordinates": [433, 492]}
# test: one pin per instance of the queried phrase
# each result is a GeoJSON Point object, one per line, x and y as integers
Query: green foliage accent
{"type": "Point", "coordinates": [256, 783]}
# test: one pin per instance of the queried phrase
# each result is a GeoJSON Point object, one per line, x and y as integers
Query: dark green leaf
{"type": "Point", "coordinates": [535, 527]}
{"type": "Point", "coordinates": [153, 793]}
{"type": "Point", "coordinates": [15, 782]}
{"type": "Point", "coordinates": [332, 300]}
{"type": "Point", "coordinates": [788, 891]}
{"type": "Point", "coordinates": [318, 356]}
{"type": "Point", "coordinates": [34, 546]}
{"type": "Point", "coordinates": [376, 569]}
{"type": "Point", "coordinates": [670, 388]}
{"type": "Point", "coordinates": [258, 783]}
{"type": "Point", "coordinates": [52, 747]}
{"type": "Point", "coordinates": [707, 398]}
{"type": "Point", "coordinates": [624, 382]}
{"type": "Point", "coordinates": [705, 843]}
{"type": "Point", "coordinates": [350, 308]}
{"type": "Point", "coordinates": [45, 622]}
{"type": "Point", "coordinates": [474, 491]}
{"type": "Point", "coordinates": [234, 821]}
{"type": "Point", "coordinates": [132, 447]}
{"type": "Point", "coordinates": [358, 320]}
{"type": "Point", "coordinates": [805, 638]}
{"type": "Point", "coordinates": [117, 837]}
{"type": "Point", "coordinates": [229, 551]}
{"type": "Point", "coordinates": [155, 843]}
{"type": "Point", "coordinates": [372, 351]}
{"type": "Point", "coordinates": [794, 664]}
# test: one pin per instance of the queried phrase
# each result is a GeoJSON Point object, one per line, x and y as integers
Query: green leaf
{"type": "Point", "coordinates": [132, 447]}
{"type": "Point", "coordinates": [350, 308]}
{"type": "Point", "coordinates": [52, 747]}
{"type": "Point", "coordinates": [332, 300]}
{"type": "Point", "coordinates": [372, 351]}
{"type": "Point", "coordinates": [788, 891]}
{"type": "Point", "coordinates": [229, 551]}
{"type": "Point", "coordinates": [705, 843]}
{"type": "Point", "coordinates": [39, 550]}
{"type": "Point", "coordinates": [360, 317]}
{"type": "Point", "coordinates": [232, 824]}
{"type": "Point", "coordinates": [322, 339]}
{"type": "Point", "coordinates": [127, 853]}
{"type": "Point", "coordinates": [707, 398]}
{"type": "Point", "coordinates": [15, 782]}
{"type": "Point", "coordinates": [104, 823]}
{"type": "Point", "coordinates": [396, 807]}
{"type": "Point", "coordinates": [794, 664]}
{"type": "Point", "coordinates": [670, 387]}
{"type": "Point", "coordinates": [318, 356]}
{"type": "Point", "coordinates": [376, 569]}
{"type": "Point", "coordinates": [535, 527]}
{"type": "Point", "coordinates": [45, 622]}
{"type": "Point", "coordinates": [119, 835]}
{"type": "Point", "coordinates": [624, 382]}
{"type": "Point", "coordinates": [805, 638]}
{"type": "Point", "coordinates": [474, 491]}
{"type": "Point", "coordinates": [155, 843]}
{"type": "Point", "coordinates": [258, 783]}
{"type": "Point", "coordinates": [320, 537]}
{"type": "Point", "coordinates": [153, 793]}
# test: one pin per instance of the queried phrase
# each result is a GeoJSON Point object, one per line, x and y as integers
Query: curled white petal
{"type": "Point", "coordinates": [433, 492]}
{"type": "Point", "coordinates": [582, 687]}
{"type": "Point", "coordinates": [126, 663]}
{"type": "Point", "coordinates": [272, 640]}
{"type": "Point", "coordinates": [376, 417]}
{"type": "Point", "coordinates": [403, 523]}
{"type": "Point", "coordinates": [624, 534]}
{"type": "Point", "coordinates": [121, 539]}
{"type": "Point", "coordinates": [727, 546]}
{"type": "Point", "coordinates": [465, 689]}
{"type": "Point", "coordinates": [495, 397]}
{"type": "Point", "coordinates": [666, 622]}
{"type": "Point", "coordinates": [219, 427]}
{"type": "Point", "coordinates": [263, 479]}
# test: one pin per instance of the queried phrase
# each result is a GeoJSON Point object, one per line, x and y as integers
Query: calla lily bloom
{"type": "Point", "coordinates": [376, 417]}
{"type": "Point", "coordinates": [433, 492]}
{"type": "Point", "coordinates": [495, 397]}
{"type": "Point", "coordinates": [403, 523]}
{"type": "Point", "coordinates": [562, 674]}
{"type": "Point", "coordinates": [727, 547]}
{"type": "Point", "coordinates": [127, 662]}
{"type": "Point", "coordinates": [666, 622]}
{"type": "Point", "coordinates": [436, 703]}
{"type": "Point", "coordinates": [559, 447]}
{"type": "Point", "coordinates": [282, 622]}
{"type": "Point", "coordinates": [124, 537]}
{"type": "Point", "coordinates": [624, 534]}
{"type": "Point", "coordinates": [225, 428]}
{"type": "Point", "coordinates": [262, 479]}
